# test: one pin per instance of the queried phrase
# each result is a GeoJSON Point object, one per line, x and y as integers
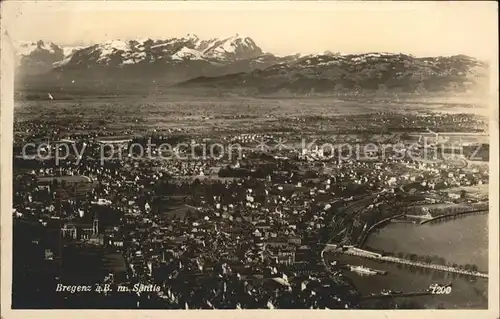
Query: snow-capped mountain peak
{"type": "Point", "coordinates": [192, 37]}
{"type": "Point", "coordinates": [69, 50]}
{"type": "Point", "coordinates": [187, 54]}
{"type": "Point", "coordinates": [232, 47]}
{"type": "Point", "coordinates": [109, 47]}
{"type": "Point", "coordinates": [25, 48]}
{"type": "Point", "coordinates": [177, 59]}
{"type": "Point", "coordinates": [116, 45]}
{"type": "Point", "coordinates": [38, 56]}
{"type": "Point", "coordinates": [189, 47]}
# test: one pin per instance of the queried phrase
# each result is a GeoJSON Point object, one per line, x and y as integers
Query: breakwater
{"type": "Point", "coordinates": [370, 255]}
{"type": "Point", "coordinates": [451, 216]}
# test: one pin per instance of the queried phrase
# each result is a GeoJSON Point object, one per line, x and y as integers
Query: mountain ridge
{"type": "Point", "coordinates": [237, 62]}
{"type": "Point", "coordinates": [358, 72]}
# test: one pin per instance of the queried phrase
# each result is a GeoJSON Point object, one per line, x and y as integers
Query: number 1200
{"type": "Point", "coordinates": [441, 290]}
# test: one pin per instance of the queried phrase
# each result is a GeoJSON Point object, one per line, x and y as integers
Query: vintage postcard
{"type": "Point", "coordinates": [330, 158]}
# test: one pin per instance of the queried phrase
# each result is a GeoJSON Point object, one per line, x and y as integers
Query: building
{"type": "Point", "coordinates": [286, 257]}
{"type": "Point", "coordinates": [69, 231]}
{"type": "Point", "coordinates": [85, 232]}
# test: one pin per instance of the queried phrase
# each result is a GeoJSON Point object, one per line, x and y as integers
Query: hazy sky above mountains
{"type": "Point", "coordinates": [422, 29]}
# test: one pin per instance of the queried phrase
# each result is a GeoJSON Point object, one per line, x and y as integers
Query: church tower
{"type": "Point", "coordinates": [95, 226]}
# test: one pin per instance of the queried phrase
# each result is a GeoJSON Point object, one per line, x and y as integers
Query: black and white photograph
{"type": "Point", "coordinates": [249, 155]}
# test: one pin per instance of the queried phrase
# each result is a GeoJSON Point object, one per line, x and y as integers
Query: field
{"type": "Point", "coordinates": [213, 114]}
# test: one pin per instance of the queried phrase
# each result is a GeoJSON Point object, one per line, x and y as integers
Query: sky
{"type": "Point", "coordinates": [418, 28]}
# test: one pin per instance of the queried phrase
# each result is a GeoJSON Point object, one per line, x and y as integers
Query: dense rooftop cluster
{"type": "Point", "coordinates": [221, 232]}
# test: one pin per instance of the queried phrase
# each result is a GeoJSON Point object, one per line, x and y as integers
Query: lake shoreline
{"type": "Point", "coordinates": [449, 239]}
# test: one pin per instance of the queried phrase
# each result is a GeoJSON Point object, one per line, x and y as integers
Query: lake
{"type": "Point", "coordinates": [463, 240]}
{"type": "Point", "coordinates": [467, 292]}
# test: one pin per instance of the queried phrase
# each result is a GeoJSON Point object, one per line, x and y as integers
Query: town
{"type": "Point", "coordinates": [244, 227]}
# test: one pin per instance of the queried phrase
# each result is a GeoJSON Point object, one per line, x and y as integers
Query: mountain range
{"type": "Point", "coordinates": [233, 63]}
